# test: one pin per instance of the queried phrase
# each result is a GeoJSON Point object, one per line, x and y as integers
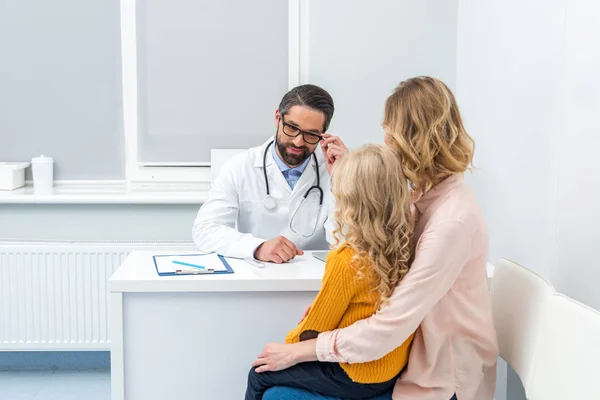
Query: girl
{"type": "Point", "coordinates": [372, 206]}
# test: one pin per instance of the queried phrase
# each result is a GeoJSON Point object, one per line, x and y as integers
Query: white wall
{"type": "Point", "coordinates": [100, 222]}
{"type": "Point", "coordinates": [360, 50]}
{"type": "Point", "coordinates": [578, 222]}
{"type": "Point", "coordinates": [508, 87]}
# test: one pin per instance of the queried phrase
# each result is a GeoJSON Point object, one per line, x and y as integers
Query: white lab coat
{"type": "Point", "coordinates": [234, 221]}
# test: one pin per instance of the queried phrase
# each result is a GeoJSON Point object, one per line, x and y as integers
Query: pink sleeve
{"type": "Point", "coordinates": [441, 253]}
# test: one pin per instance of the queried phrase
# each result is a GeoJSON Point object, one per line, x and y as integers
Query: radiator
{"type": "Point", "coordinates": [53, 294]}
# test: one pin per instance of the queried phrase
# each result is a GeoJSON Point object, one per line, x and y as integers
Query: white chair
{"type": "Point", "coordinates": [567, 356]}
{"type": "Point", "coordinates": [519, 301]}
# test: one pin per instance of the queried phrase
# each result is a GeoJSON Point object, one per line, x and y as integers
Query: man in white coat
{"type": "Point", "coordinates": [271, 202]}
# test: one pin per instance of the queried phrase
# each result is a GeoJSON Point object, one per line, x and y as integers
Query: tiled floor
{"type": "Point", "coordinates": [55, 385]}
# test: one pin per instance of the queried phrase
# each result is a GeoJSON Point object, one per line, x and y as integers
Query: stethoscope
{"type": "Point", "coordinates": [269, 202]}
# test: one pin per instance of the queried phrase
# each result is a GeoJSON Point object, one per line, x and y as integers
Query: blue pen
{"type": "Point", "coordinates": [187, 264]}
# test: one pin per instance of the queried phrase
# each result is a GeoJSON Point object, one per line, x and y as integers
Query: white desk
{"type": "Point", "coordinates": [194, 337]}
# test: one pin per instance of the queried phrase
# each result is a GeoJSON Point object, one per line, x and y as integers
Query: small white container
{"type": "Point", "coordinates": [43, 174]}
{"type": "Point", "coordinates": [12, 175]}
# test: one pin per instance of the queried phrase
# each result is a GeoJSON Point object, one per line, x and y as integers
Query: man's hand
{"type": "Point", "coordinates": [334, 150]}
{"type": "Point", "coordinates": [278, 250]}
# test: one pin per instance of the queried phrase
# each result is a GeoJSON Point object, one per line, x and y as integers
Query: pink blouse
{"type": "Point", "coordinates": [444, 298]}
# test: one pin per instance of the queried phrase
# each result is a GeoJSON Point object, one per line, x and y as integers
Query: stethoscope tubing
{"type": "Point", "coordinates": [317, 186]}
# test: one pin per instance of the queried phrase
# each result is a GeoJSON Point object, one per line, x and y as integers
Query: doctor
{"type": "Point", "coordinates": [270, 202]}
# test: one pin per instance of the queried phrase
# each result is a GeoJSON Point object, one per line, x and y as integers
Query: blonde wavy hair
{"type": "Point", "coordinates": [373, 214]}
{"type": "Point", "coordinates": [424, 123]}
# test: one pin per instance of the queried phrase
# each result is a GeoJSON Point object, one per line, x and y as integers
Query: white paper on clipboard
{"type": "Point", "coordinates": [165, 264]}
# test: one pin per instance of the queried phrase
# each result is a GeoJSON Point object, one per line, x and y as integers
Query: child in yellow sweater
{"type": "Point", "coordinates": [373, 212]}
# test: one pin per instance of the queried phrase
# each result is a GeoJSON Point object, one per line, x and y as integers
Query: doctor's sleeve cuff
{"type": "Point", "coordinates": [326, 347]}
{"type": "Point", "coordinates": [254, 251]}
{"type": "Point", "coordinates": [247, 245]}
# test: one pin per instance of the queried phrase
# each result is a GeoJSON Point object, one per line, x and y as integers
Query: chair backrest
{"type": "Point", "coordinates": [519, 301]}
{"type": "Point", "coordinates": [218, 158]}
{"type": "Point", "coordinates": [567, 364]}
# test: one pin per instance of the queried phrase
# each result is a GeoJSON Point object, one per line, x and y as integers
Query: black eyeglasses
{"type": "Point", "coordinates": [293, 131]}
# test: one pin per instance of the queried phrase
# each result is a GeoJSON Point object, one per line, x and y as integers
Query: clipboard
{"type": "Point", "coordinates": [182, 257]}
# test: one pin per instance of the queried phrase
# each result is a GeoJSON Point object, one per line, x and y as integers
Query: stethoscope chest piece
{"type": "Point", "coordinates": [269, 203]}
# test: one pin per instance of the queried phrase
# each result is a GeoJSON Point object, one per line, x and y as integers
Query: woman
{"type": "Point", "coordinates": [444, 297]}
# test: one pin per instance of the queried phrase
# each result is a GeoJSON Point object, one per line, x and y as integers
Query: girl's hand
{"type": "Point", "coordinates": [305, 313]}
{"type": "Point", "coordinates": [333, 149]}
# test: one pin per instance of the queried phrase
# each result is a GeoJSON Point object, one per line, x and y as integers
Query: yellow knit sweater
{"type": "Point", "coordinates": [347, 296]}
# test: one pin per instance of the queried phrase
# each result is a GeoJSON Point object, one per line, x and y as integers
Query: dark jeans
{"type": "Point", "coordinates": [289, 393]}
{"type": "Point", "coordinates": [328, 379]}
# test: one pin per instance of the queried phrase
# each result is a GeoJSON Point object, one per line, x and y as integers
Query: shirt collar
{"type": "Point", "coordinates": [283, 167]}
{"type": "Point", "coordinates": [423, 201]}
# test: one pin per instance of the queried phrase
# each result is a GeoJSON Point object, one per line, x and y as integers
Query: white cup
{"type": "Point", "coordinates": [43, 174]}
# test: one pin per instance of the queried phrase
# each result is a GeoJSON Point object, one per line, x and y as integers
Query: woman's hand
{"type": "Point", "coordinates": [333, 149]}
{"type": "Point", "coordinates": [276, 357]}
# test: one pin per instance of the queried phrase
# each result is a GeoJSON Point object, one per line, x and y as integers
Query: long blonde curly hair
{"type": "Point", "coordinates": [373, 214]}
{"type": "Point", "coordinates": [423, 120]}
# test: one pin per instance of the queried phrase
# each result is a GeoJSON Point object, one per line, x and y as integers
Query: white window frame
{"type": "Point", "coordinates": [183, 174]}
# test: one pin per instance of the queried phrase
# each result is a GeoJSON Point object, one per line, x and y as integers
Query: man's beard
{"type": "Point", "coordinates": [292, 160]}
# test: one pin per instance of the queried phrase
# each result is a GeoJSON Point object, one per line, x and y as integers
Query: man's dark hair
{"type": "Point", "coordinates": [310, 96]}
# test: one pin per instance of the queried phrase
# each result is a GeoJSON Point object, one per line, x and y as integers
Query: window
{"type": "Point", "coordinates": [201, 75]}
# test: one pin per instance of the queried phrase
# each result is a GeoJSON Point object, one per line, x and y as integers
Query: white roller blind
{"type": "Point", "coordinates": [210, 75]}
{"type": "Point", "coordinates": [60, 86]}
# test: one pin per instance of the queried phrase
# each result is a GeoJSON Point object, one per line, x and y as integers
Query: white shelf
{"type": "Point", "coordinates": [105, 192]}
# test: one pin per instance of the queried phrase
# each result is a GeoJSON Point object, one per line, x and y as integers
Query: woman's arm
{"type": "Point", "coordinates": [337, 290]}
{"type": "Point", "coordinates": [441, 253]}
{"type": "Point", "coordinates": [276, 356]}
